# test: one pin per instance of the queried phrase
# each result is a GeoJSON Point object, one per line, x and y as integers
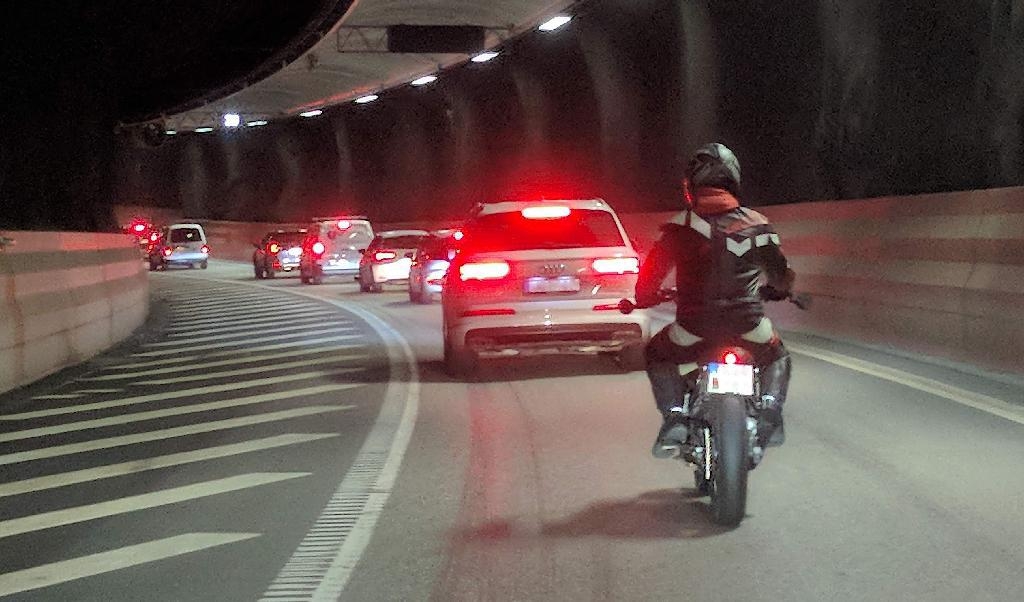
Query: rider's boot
{"type": "Point", "coordinates": [771, 430]}
{"type": "Point", "coordinates": [673, 433]}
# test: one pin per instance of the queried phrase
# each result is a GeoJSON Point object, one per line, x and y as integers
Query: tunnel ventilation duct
{"type": "Point", "coordinates": [440, 39]}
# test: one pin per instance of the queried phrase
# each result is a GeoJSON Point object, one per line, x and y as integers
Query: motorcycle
{"type": "Point", "coordinates": [729, 410]}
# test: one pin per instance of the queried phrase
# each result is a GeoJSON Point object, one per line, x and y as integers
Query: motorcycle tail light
{"type": "Point", "coordinates": [319, 248]}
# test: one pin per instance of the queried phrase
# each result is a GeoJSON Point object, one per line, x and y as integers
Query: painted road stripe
{"type": "Point", "coordinates": [242, 319]}
{"type": "Point", "coordinates": [291, 345]}
{"type": "Point", "coordinates": [100, 391]}
{"type": "Point", "coordinates": [160, 435]}
{"type": "Point", "coordinates": [154, 499]}
{"type": "Point", "coordinates": [128, 401]}
{"type": "Point", "coordinates": [191, 303]}
{"type": "Point", "coordinates": [253, 324]}
{"type": "Point", "coordinates": [211, 346]}
{"type": "Point", "coordinates": [145, 464]}
{"type": "Point", "coordinates": [250, 332]}
{"type": "Point", "coordinates": [58, 396]}
{"type": "Point", "coordinates": [280, 307]}
{"type": "Point", "coordinates": [162, 362]}
{"type": "Point", "coordinates": [978, 401]}
{"type": "Point", "coordinates": [232, 362]}
{"type": "Point", "coordinates": [121, 558]}
{"type": "Point", "coordinates": [85, 425]}
{"type": "Point", "coordinates": [306, 363]}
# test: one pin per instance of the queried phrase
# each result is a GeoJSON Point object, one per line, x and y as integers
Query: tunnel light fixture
{"type": "Point", "coordinates": [483, 57]}
{"type": "Point", "coordinates": [232, 120]}
{"type": "Point", "coordinates": [312, 113]}
{"type": "Point", "coordinates": [204, 130]}
{"type": "Point", "coordinates": [422, 81]}
{"type": "Point", "coordinates": [554, 23]}
{"type": "Point", "coordinates": [171, 132]}
{"type": "Point", "coordinates": [257, 123]}
{"type": "Point", "coordinates": [365, 99]}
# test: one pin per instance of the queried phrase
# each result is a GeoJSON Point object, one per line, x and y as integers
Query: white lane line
{"type": "Point", "coordinates": [190, 303]}
{"type": "Point", "coordinates": [104, 562]}
{"type": "Point", "coordinates": [160, 435]}
{"type": "Point", "coordinates": [241, 319]}
{"type": "Point", "coordinates": [99, 391]}
{"type": "Point", "coordinates": [85, 425]}
{"type": "Point", "coordinates": [231, 362]}
{"type": "Point", "coordinates": [253, 324]}
{"type": "Point", "coordinates": [359, 500]}
{"type": "Point", "coordinates": [306, 363]}
{"type": "Point", "coordinates": [292, 345]}
{"type": "Point", "coordinates": [154, 499]}
{"type": "Point", "coordinates": [270, 307]}
{"type": "Point", "coordinates": [58, 396]}
{"type": "Point", "coordinates": [163, 362]}
{"type": "Point", "coordinates": [184, 346]}
{"type": "Point", "coordinates": [195, 392]}
{"type": "Point", "coordinates": [978, 401]}
{"type": "Point", "coordinates": [250, 332]}
{"type": "Point", "coordinates": [135, 466]}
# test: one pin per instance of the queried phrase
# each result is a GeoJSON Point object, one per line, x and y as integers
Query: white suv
{"type": "Point", "coordinates": [541, 277]}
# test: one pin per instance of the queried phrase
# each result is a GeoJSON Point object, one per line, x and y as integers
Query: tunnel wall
{"type": "Point", "coordinates": [66, 297]}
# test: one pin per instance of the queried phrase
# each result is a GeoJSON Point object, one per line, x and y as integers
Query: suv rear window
{"type": "Point", "coordinates": [178, 235]}
{"type": "Point", "coordinates": [410, 241]}
{"type": "Point", "coordinates": [357, 235]}
{"type": "Point", "coordinates": [513, 232]}
{"type": "Point", "coordinates": [287, 239]}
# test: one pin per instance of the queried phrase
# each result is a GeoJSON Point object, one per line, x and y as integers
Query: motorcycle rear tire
{"type": "Point", "coordinates": [729, 471]}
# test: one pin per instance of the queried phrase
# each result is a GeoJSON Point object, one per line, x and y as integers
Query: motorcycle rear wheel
{"type": "Point", "coordinates": [729, 457]}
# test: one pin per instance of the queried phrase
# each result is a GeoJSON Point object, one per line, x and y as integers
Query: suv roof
{"type": "Point", "coordinates": [334, 218]}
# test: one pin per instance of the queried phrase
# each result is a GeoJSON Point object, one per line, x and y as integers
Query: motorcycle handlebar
{"type": "Point", "coordinates": [801, 300]}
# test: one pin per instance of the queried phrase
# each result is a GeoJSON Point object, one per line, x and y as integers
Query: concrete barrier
{"type": "Point", "coordinates": [66, 296]}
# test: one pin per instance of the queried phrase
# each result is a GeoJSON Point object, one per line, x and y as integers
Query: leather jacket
{"type": "Point", "coordinates": [719, 251]}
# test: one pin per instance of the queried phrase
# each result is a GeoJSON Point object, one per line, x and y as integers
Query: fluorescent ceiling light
{"type": "Point", "coordinates": [368, 98]}
{"type": "Point", "coordinates": [426, 79]}
{"type": "Point", "coordinates": [203, 130]}
{"type": "Point", "coordinates": [554, 23]}
{"type": "Point", "coordinates": [483, 57]}
{"type": "Point", "coordinates": [232, 120]}
{"type": "Point", "coordinates": [171, 132]}
{"type": "Point", "coordinates": [312, 113]}
{"type": "Point", "coordinates": [257, 123]}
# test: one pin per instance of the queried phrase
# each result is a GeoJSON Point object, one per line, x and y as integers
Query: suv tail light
{"type": "Point", "coordinates": [319, 248]}
{"type": "Point", "coordinates": [167, 251]}
{"type": "Point", "coordinates": [384, 255]}
{"type": "Point", "coordinates": [617, 265]}
{"type": "Point", "coordinates": [274, 247]}
{"type": "Point", "coordinates": [205, 250]}
{"type": "Point", "coordinates": [484, 270]}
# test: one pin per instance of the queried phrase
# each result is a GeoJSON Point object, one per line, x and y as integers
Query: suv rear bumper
{"type": "Point", "coordinates": [564, 338]}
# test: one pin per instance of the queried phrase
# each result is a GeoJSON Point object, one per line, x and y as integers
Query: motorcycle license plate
{"type": "Point", "coordinates": [731, 378]}
{"type": "Point", "coordinates": [561, 284]}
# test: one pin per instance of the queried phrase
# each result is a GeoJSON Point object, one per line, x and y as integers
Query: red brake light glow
{"type": "Point", "coordinates": [546, 212]}
{"type": "Point", "coordinates": [344, 224]}
{"type": "Point", "coordinates": [154, 236]}
{"type": "Point", "coordinates": [205, 250]}
{"type": "Point", "coordinates": [617, 265]}
{"type": "Point", "coordinates": [384, 255]}
{"type": "Point", "coordinates": [139, 227]}
{"type": "Point", "coordinates": [458, 235]}
{"type": "Point", "coordinates": [167, 252]}
{"type": "Point", "coordinates": [274, 248]}
{"type": "Point", "coordinates": [484, 270]}
{"type": "Point", "coordinates": [729, 357]}
{"type": "Point", "coordinates": [319, 248]}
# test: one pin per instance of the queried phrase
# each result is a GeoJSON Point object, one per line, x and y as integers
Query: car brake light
{"type": "Point", "coordinates": [384, 255]}
{"type": "Point", "coordinates": [458, 235]}
{"type": "Point", "coordinates": [167, 252]}
{"type": "Point", "coordinates": [319, 248]}
{"type": "Point", "coordinates": [344, 224]}
{"type": "Point", "coordinates": [274, 248]}
{"type": "Point", "coordinates": [607, 307]}
{"type": "Point", "coordinates": [139, 228]}
{"type": "Point", "coordinates": [154, 236]}
{"type": "Point", "coordinates": [617, 265]}
{"type": "Point", "coordinates": [546, 212]}
{"type": "Point", "coordinates": [484, 270]}
{"type": "Point", "coordinates": [488, 312]}
{"type": "Point", "coordinates": [205, 250]}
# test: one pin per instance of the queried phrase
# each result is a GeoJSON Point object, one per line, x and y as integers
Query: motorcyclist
{"type": "Point", "coordinates": [720, 252]}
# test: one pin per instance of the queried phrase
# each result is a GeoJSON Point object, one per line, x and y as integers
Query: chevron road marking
{"type": "Point", "coordinates": [135, 466]}
{"type": "Point", "coordinates": [121, 558]}
{"type": "Point", "coordinates": [154, 499]}
{"type": "Point", "coordinates": [281, 337]}
{"type": "Point", "coordinates": [162, 434]}
{"type": "Point", "coordinates": [308, 363]}
{"type": "Point", "coordinates": [292, 345]}
{"type": "Point", "coordinates": [299, 322]}
{"type": "Point", "coordinates": [249, 332]}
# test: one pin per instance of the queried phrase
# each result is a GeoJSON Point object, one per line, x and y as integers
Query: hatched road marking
{"type": "Point", "coordinates": [121, 558]}
{"type": "Point", "coordinates": [306, 321]}
{"type": "Point", "coordinates": [249, 332]}
{"type": "Point", "coordinates": [154, 499]}
{"type": "Point", "coordinates": [243, 343]}
{"type": "Point", "coordinates": [308, 363]}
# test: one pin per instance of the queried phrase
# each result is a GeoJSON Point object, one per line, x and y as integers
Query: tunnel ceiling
{"type": "Point", "coordinates": [352, 60]}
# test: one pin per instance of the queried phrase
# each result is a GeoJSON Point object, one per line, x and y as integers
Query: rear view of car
{"type": "Point", "coordinates": [388, 258]}
{"type": "Point", "coordinates": [181, 245]}
{"type": "Point", "coordinates": [279, 251]}
{"type": "Point", "coordinates": [332, 248]}
{"type": "Point", "coordinates": [430, 265]}
{"type": "Point", "coordinates": [541, 277]}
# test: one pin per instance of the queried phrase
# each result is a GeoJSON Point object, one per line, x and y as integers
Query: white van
{"type": "Point", "coordinates": [180, 244]}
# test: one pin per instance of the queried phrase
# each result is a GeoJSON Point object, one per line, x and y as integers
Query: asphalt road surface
{"type": "Point", "coordinates": [269, 440]}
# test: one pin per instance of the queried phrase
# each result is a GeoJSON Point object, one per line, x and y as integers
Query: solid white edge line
{"type": "Point", "coordinates": [385, 436]}
{"type": "Point", "coordinates": [104, 562]}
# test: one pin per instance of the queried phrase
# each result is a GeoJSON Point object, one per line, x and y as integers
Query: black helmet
{"type": "Point", "coordinates": [714, 165]}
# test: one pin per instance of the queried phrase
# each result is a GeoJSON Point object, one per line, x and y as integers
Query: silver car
{"type": "Point", "coordinates": [332, 247]}
{"type": "Point", "coordinates": [430, 265]}
{"type": "Point", "coordinates": [179, 244]}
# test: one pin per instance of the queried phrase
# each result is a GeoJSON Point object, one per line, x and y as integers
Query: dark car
{"type": "Point", "coordinates": [279, 251]}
